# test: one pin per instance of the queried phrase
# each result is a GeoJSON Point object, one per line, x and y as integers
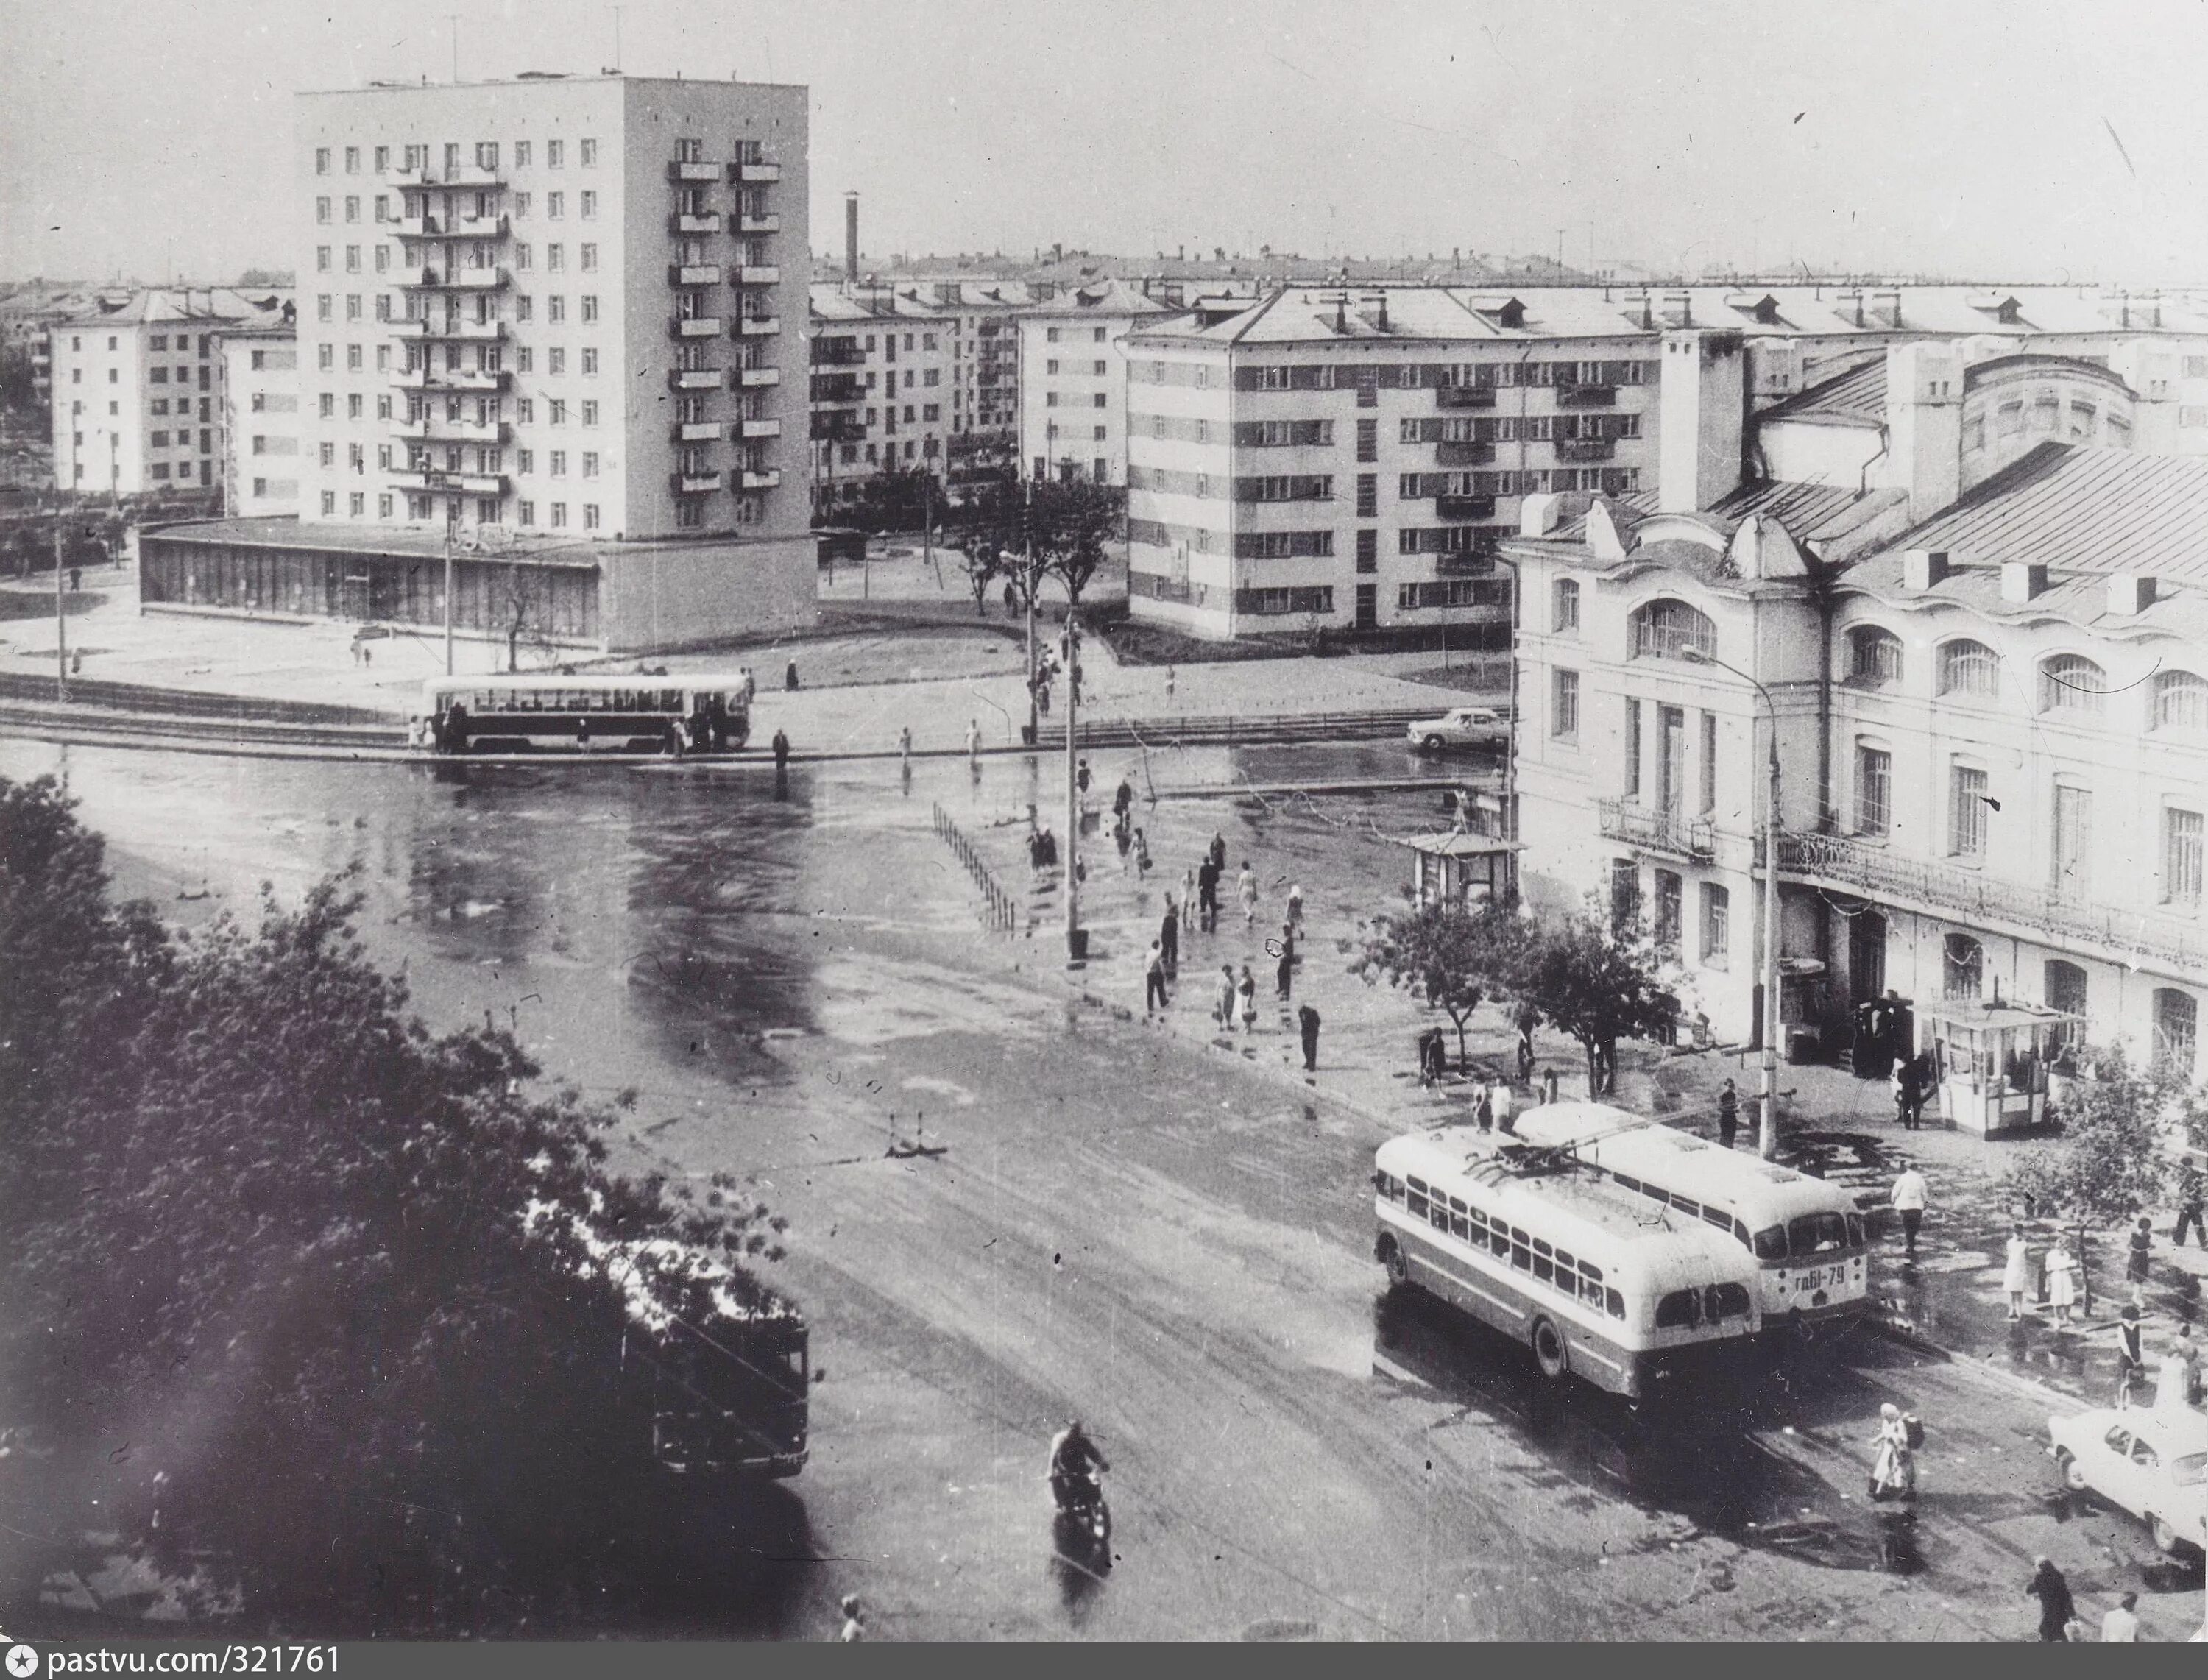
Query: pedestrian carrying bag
{"type": "Point", "coordinates": [1913, 1429]}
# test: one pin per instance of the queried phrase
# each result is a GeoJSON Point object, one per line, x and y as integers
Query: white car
{"type": "Point", "coordinates": [1464, 726]}
{"type": "Point", "coordinates": [2149, 1462]}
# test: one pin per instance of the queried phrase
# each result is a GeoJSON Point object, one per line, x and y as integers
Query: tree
{"type": "Point", "coordinates": [267, 1226]}
{"type": "Point", "coordinates": [1448, 957]}
{"type": "Point", "coordinates": [1067, 527]}
{"type": "Point", "coordinates": [2111, 1163]}
{"type": "Point", "coordinates": [1586, 980]}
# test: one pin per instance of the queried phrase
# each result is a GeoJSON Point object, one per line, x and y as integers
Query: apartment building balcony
{"type": "Point", "coordinates": [759, 223]}
{"type": "Point", "coordinates": [758, 327]}
{"type": "Point", "coordinates": [1656, 830]}
{"type": "Point", "coordinates": [840, 390]}
{"type": "Point", "coordinates": [480, 227]}
{"type": "Point", "coordinates": [415, 177]}
{"type": "Point", "coordinates": [762, 274]}
{"type": "Point", "coordinates": [693, 273]}
{"type": "Point", "coordinates": [768, 478]}
{"type": "Point", "coordinates": [473, 175]}
{"type": "Point", "coordinates": [1473, 563]}
{"type": "Point", "coordinates": [1463, 396]}
{"type": "Point", "coordinates": [1463, 454]}
{"type": "Point", "coordinates": [693, 379]}
{"type": "Point", "coordinates": [450, 379]}
{"type": "Point", "coordinates": [755, 175]}
{"type": "Point", "coordinates": [430, 429]}
{"type": "Point", "coordinates": [693, 483]}
{"type": "Point", "coordinates": [1587, 396]}
{"type": "Point", "coordinates": [755, 377]}
{"type": "Point", "coordinates": [1464, 507]}
{"type": "Point", "coordinates": [710, 223]}
{"type": "Point", "coordinates": [698, 431]}
{"type": "Point", "coordinates": [474, 332]}
{"type": "Point", "coordinates": [419, 227]}
{"type": "Point", "coordinates": [476, 280]}
{"type": "Point", "coordinates": [1585, 448]}
{"type": "Point", "coordinates": [759, 429]}
{"type": "Point", "coordinates": [1983, 901]}
{"type": "Point", "coordinates": [703, 174]}
{"type": "Point", "coordinates": [837, 353]}
{"type": "Point", "coordinates": [694, 326]}
{"type": "Point", "coordinates": [436, 478]}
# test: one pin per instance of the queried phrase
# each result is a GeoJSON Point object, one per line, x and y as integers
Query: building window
{"type": "Point", "coordinates": [323, 211]}
{"type": "Point", "coordinates": [2180, 857]}
{"type": "Point", "coordinates": [589, 150]}
{"type": "Point", "coordinates": [1368, 439]}
{"type": "Point", "coordinates": [1564, 705]}
{"type": "Point", "coordinates": [1873, 656]}
{"type": "Point", "coordinates": [329, 504]}
{"type": "Point", "coordinates": [1564, 608]}
{"type": "Point", "coordinates": [1368, 551]}
{"type": "Point", "coordinates": [590, 362]}
{"type": "Point", "coordinates": [1709, 764]}
{"type": "Point", "coordinates": [1368, 495]}
{"type": "Point", "coordinates": [590, 464]}
{"type": "Point", "coordinates": [559, 513]}
{"type": "Point", "coordinates": [321, 161]}
{"type": "Point", "coordinates": [590, 300]}
{"type": "Point", "coordinates": [1969, 667]}
{"type": "Point", "coordinates": [2065, 990]}
{"type": "Point", "coordinates": [1963, 967]}
{"type": "Point", "coordinates": [2071, 682]}
{"type": "Point", "coordinates": [325, 307]}
{"type": "Point", "coordinates": [589, 258]}
{"type": "Point", "coordinates": [1671, 630]}
{"type": "Point", "coordinates": [1717, 925]}
{"type": "Point", "coordinates": [352, 206]}
{"type": "Point", "coordinates": [1670, 894]}
{"type": "Point", "coordinates": [1966, 811]}
{"type": "Point", "coordinates": [2176, 1030]}
{"type": "Point", "coordinates": [2180, 701]}
{"type": "Point", "coordinates": [357, 504]}
{"type": "Point", "coordinates": [1632, 749]}
{"type": "Point", "coordinates": [1874, 791]}
{"type": "Point", "coordinates": [590, 409]}
{"type": "Point", "coordinates": [321, 258]}
{"type": "Point", "coordinates": [557, 464]}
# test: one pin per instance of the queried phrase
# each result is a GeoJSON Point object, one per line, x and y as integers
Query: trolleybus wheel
{"type": "Point", "coordinates": [2165, 1536]}
{"type": "Point", "coordinates": [2073, 1474]}
{"type": "Point", "coordinates": [1398, 1264]}
{"type": "Point", "coordinates": [1549, 1349]}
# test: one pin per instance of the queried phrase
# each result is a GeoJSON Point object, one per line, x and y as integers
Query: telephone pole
{"type": "Point", "coordinates": [1076, 939]}
{"type": "Point", "coordinates": [61, 623]}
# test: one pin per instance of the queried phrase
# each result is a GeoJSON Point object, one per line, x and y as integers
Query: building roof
{"type": "Point", "coordinates": [155, 305]}
{"type": "Point", "coordinates": [288, 531]}
{"type": "Point", "coordinates": [934, 297]}
{"type": "Point", "coordinates": [1855, 397]}
{"type": "Point", "coordinates": [2081, 509]}
{"type": "Point", "coordinates": [1829, 518]}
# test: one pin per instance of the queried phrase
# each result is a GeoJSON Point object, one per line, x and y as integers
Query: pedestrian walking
{"type": "Point", "coordinates": [1728, 1113]}
{"type": "Point", "coordinates": [1909, 1197]}
{"type": "Point", "coordinates": [1141, 854]}
{"type": "Point", "coordinates": [1188, 892]}
{"type": "Point", "coordinates": [789, 677]}
{"type": "Point", "coordinates": [1123, 837]}
{"type": "Point", "coordinates": [2177, 1383]}
{"type": "Point", "coordinates": [1011, 600]}
{"type": "Point", "coordinates": [1219, 853]}
{"type": "Point", "coordinates": [1284, 972]}
{"type": "Point", "coordinates": [2016, 1272]}
{"type": "Point", "coordinates": [1226, 996]}
{"type": "Point", "coordinates": [1307, 1023]}
{"type": "Point", "coordinates": [1207, 897]}
{"type": "Point", "coordinates": [1900, 1084]}
{"type": "Point", "coordinates": [2191, 1192]}
{"type": "Point", "coordinates": [1296, 908]}
{"type": "Point", "coordinates": [1548, 1084]}
{"type": "Point", "coordinates": [2131, 1360]}
{"type": "Point", "coordinates": [2120, 1626]}
{"type": "Point", "coordinates": [1169, 938]}
{"type": "Point", "coordinates": [1505, 1104]}
{"type": "Point", "coordinates": [1154, 988]}
{"type": "Point", "coordinates": [76, 578]}
{"type": "Point", "coordinates": [1169, 682]}
{"type": "Point", "coordinates": [1894, 1472]}
{"type": "Point", "coordinates": [1484, 1114]}
{"type": "Point", "coordinates": [781, 750]}
{"type": "Point", "coordinates": [1246, 988]}
{"type": "Point", "coordinates": [855, 1624]}
{"type": "Point", "coordinates": [1080, 779]}
{"type": "Point", "coordinates": [1245, 887]}
{"type": "Point", "coordinates": [974, 743]}
{"type": "Point", "coordinates": [904, 748]}
{"type": "Point", "coordinates": [2056, 1609]}
{"type": "Point", "coordinates": [1122, 799]}
{"type": "Point", "coordinates": [2142, 1251]}
{"type": "Point", "coordinates": [2062, 1281]}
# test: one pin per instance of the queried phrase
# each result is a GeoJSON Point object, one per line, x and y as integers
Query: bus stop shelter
{"type": "Point", "coordinates": [1995, 1058]}
{"type": "Point", "coordinates": [1457, 867]}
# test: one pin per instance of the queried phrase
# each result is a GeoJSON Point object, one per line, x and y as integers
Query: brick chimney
{"type": "Point", "coordinates": [2130, 594]}
{"type": "Point", "coordinates": [2022, 581]}
{"type": "Point", "coordinates": [1921, 568]}
{"type": "Point", "coordinates": [851, 238]}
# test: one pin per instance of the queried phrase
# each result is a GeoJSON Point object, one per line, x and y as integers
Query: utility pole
{"type": "Point", "coordinates": [1027, 531]}
{"type": "Point", "coordinates": [60, 624]}
{"type": "Point", "coordinates": [1077, 941]}
{"type": "Point", "coordinates": [451, 508]}
{"type": "Point", "coordinates": [1766, 1137]}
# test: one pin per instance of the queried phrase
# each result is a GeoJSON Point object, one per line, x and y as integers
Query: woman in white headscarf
{"type": "Point", "coordinates": [1894, 1471]}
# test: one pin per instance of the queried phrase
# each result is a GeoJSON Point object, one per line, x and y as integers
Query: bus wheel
{"type": "Point", "coordinates": [1398, 1264]}
{"type": "Point", "coordinates": [1549, 1350]}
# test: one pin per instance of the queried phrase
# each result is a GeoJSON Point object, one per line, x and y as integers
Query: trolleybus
{"type": "Point", "coordinates": [1635, 1299]}
{"type": "Point", "coordinates": [1807, 1237]}
{"type": "Point", "coordinates": [545, 711]}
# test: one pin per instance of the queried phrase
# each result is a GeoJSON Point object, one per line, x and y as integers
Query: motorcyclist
{"type": "Point", "coordinates": [1076, 1465]}
{"type": "Point", "coordinates": [1894, 1471]}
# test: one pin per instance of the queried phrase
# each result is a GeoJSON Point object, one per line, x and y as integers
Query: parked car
{"type": "Point", "coordinates": [1464, 726]}
{"type": "Point", "coordinates": [2149, 1462]}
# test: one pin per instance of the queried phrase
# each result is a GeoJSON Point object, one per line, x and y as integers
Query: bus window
{"type": "Point", "coordinates": [1592, 1273]}
{"type": "Point", "coordinates": [1727, 1300]}
{"type": "Point", "coordinates": [1521, 1253]}
{"type": "Point", "coordinates": [1740, 1234]}
{"type": "Point", "coordinates": [1457, 1227]}
{"type": "Point", "coordinates": [1499, 1238]}
{"type": "Point", "coordinates": [1439, 1215]}
{"type": "Point", "coordinates": [1681, 1309]}
{"type": "Point", "coordinates": [1816, 1233]}
{"type": "Point", "coordinates": [1770, 1244]}
{"type": "Point", "coordinates": [1544, 1268]}
{"type": "Point", "coordinates": [1613, 1303]}
{"type": "Point", "coordinates": [1854, 1230]}
{"type": "Point", "coordinates": [1416, 1201]}
{"type": "Point", "coordinates": [1564, 1263]}
{"type": "Point", "coordinates": [1719, 1217]}
{"type": "Point", "coordinates": [1624, 1183]}
{"type": "Point", "coordinates": [1478, 1225]}
{"type": "Point", "coordinates": [1693, 1210]}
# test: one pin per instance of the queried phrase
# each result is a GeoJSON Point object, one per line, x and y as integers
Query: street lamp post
{"type": "Point", "coordinates": [1077, 942]}
{"type": "Point", "coordinates": [1767, 1138]}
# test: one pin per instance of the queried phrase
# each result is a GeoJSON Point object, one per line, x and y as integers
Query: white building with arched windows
{"type": "Point", "coordinates": [1991, 720]}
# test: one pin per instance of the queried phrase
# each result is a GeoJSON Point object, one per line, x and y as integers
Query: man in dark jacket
{"type": "Point", "coordinates": [1307, 1019]}
{"type": "Point", "coordinates": [2057, 1611]}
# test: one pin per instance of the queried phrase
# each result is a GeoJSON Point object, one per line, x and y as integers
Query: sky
{"type": "Point", "coordinates": [2021, 141]}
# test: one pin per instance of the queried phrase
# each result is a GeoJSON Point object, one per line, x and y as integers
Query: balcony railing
{"type": "Point", "coordinates": [759, 223]}
{"type": "Point", "coordinates": [419, 227]}
{"type": "Point", "coordinates": [840, 388]}
{"type": "Point", "coordinates": [1464, 506]}
{"type": "Point", "coordinates": [480, 227]}
{"type": "Point", "coordinates": [693, 379]}
{"type": "Point", "coordinates": [1587, 396]}
{"type": "Point", "coordinates": [759, 428]}
{"type": "Point", "coordinates": [1464, 454]}
{"type": "Point", "coordinates": [1585, 448]}
{"type": "Point", "coordinates": [837, 353]}
{"type": "Point", "coordinates": [453, 280]}
{"type": "Point", "coordinates": [706, 174]}
{"type": "Point", "coordinates": [756, 175]}
{"type": "Point", "coordinates": [694, 326]}
{"type": "Point", "coordinates": [477, 331]}
{"type": "Point", "coordinates": [449, 379]}
{"type": "Point", "coordinates": [434, 429]}
{"type": "Point", "coordinates": [710, 223]}
{"type": "Point", "coordinates": [693, 273]}
{"type": "Point", "coordinates": [1463, 396]}
{"type": "Point", "coordinates": [1970, 895]}
{"type": "Point", "coordinates": [768, 479]}
{"type": "Point", "coordinates": [694, 484]}
{"type": "Point", "coordinates": [1662, 832]}
{"type": "Point", "coordinates": [760, 275]}
{"type": "Point", "coordinates": [758, 327]}
{"type": "Point", "coordinates": [698, 431]}
{"type": "Point", "coordinates": [436, 478]}
{"type": "Point", "coordinates": [758, 376]}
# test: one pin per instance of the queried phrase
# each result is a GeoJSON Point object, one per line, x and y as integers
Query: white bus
{"type": "Point", "coordinates": [1632, 1299]}
{"type": "Point", "coordinates": [1808, 1240]}
{"type": "Point", "coordinates": [542, 712]}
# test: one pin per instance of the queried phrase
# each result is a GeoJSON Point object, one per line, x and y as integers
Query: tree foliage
{"type": "Point", "coordinates": [342, 1281]}
{"type": "Point", "coordinates": [2111, 1163]}
{"type": "Point", "coordinates": [1596, 985]}
{"type": "Point", "coordinates": [1448, 957]}
{"type": "Point", "coordinates": [1067, 527]}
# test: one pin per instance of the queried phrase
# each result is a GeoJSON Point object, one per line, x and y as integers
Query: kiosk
{"type": "Point", "coordinates": [1463, 868]}
{"type": "Point", "coordinates": [1994, 1059]}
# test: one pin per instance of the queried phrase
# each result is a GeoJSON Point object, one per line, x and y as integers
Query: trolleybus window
{"type": "Point", "coordinates": [1816, 1233]}
{"type": "Point", "coordinates": [1438, 1217]}
{"type": "Point", "coordinates": [1613, 1303]}
{"type": "Point", "coordinates": [1521, 1255]}
{"type": "Point", "coordinates": [1770, 1244]}
{"type": "Point", "coordinates": [1458, 1227]}
{"type": "Point", "coordinates": [1416, 1202]}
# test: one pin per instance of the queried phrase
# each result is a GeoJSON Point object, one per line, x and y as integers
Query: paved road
{"type": "Point", "coordinates": [1120, 1226]}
